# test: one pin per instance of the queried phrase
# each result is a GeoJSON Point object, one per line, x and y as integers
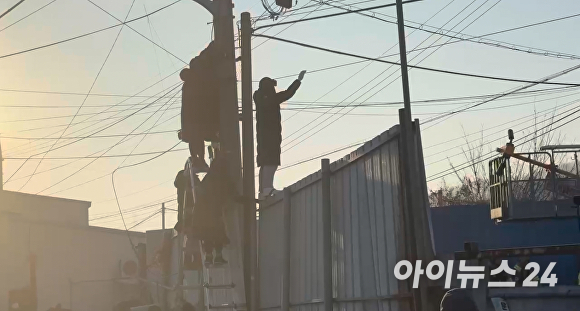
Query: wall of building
{"type": "Point", "coordinates": [46, 209]}
{"type": "Point", "coordinates": [86, 256]}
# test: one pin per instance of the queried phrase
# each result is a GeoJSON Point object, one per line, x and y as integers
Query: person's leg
{"type": "Point", "coordinates": [219, 257]}
{"type": "Point", "coordinates": [197, 152]}
{"type": "Point", "coordinates": [208, 250]}
{"type": "Point", "coordinates": [267, 173]}
{"type": "Point", "coordinates": [268, 178]}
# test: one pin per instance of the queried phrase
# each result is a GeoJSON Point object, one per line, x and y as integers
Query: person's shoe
{"type": "Point", "coordinates": [219, 260]}
{"type": "Point", "coordinates": [267, 192]}
{"type": "Point", "coordinates": [208, 260]}
{"type": "Point", "coordinates": [198, 165]}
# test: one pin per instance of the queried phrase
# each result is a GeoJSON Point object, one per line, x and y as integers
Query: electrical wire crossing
{"type": "Point", "coordinates": [412, 66]}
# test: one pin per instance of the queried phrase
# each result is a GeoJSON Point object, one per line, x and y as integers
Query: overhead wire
{"type": "Point", "coordinates": [559, 55]}
{"type": "Point", "coordinates": [377, 84]}
{"type": "Point", "coordinates": [485, 157]}
{"type": "Point", "coordinates": [360, 70]}
{"type": "Point", "coordinates": [334, 14]}
{"type": "Point", "coordinates": [86, 97]}
{"type": "Point", "coordinates": [137, 32]}
{"type": "Point", "coordinates": [86, 34]}
{"type": "Point", "coordinates": [95, 159]}
{"type": "Point", "coordinates": [470, 38]}
{"type": "Point", "coordinates": [511, 126]}
{"type": "Point", "coordinates": [464, 74]}
{"type": "Point", "coordinates": [26, 16]}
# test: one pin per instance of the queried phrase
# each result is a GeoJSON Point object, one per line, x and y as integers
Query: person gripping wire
{"type": "Point", "coordinates": [269, 129]}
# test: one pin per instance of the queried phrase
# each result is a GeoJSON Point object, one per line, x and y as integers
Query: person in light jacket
{"type": "Point", "coordinates": [269, 129]}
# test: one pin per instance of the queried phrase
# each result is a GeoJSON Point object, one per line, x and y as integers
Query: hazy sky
{"type": "Point", "coordinates": [183, 29]}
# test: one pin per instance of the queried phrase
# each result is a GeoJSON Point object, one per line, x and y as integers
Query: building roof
{"type": "Point", "coordinates": [44, 197]}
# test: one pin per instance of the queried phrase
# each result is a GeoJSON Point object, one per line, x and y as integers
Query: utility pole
{"type": "Point", "coordinates": [249, 181]}
{"type": "Point", "coordinates": [413, 213]}
{"type": "Point", "coordinates": [1, 169]}
{"type": "Point", "coordinates": [163, 215]}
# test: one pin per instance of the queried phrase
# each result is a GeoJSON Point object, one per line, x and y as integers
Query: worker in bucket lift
{"type": "Point", "coordinates": [269, 129]}
{"type": "Point", "coordinates": [215, 193]}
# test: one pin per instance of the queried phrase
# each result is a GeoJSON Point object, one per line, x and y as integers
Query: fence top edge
{"type": "Point", "coordinates": [365, 148]}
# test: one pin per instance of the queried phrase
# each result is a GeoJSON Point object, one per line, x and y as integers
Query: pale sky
{"type": "Point", "coordinates": [183, 29]}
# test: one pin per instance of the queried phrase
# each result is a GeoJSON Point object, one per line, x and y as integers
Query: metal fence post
{"type": "Point", "coordinates": [285, 295]}
{"type": "Point", "coordinates": [326, 235]}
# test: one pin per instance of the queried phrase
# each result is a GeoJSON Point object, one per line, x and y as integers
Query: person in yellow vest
{"type": "Point", "coordinates": [522, 273]}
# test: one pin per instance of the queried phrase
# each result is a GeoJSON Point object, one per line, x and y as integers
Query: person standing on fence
{"type": "Point", "coordinates": [269, 129]}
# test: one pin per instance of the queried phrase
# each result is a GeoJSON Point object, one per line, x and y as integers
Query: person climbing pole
{"type": "Point", "coordinates": [269, 129]}
{"type": "Point", "coordinates": [200, 106]}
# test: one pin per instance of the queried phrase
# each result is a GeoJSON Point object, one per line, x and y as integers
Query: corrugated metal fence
{"type": "Point", "coordinates": [367, 235]}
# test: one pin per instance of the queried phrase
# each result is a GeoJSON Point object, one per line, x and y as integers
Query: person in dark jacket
{"type": "Point", "coordinates": [458, 299]}
{"type": "Point", "coordinates": [199, 106]}
{"type": "Point", "coordinates": [269, 129]}
{"type": "Point", "coordinates": [215, 192]}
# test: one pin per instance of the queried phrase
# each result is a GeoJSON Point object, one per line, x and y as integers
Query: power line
{"type": "Point", "coordinates": [469, 163]}
{"type": "Point", "coordinates": [146, 219]}
{"type": "Point", "coordinates": [531, 84]}
{"type": "Point", "coordinates": [356, 73]}
{"type": "Point", "coordinates": [546, 111]}
{"type": "Point", "coordinates": [335, 14]}
{"type": "Point", "coordinates": [25, 17]}
{"type": "Point", "coordinates": [98, 157]}
{"type": "Point", "coordinates": [86, 97]}
{"type": "Point", "coordinates": [87, 34]}
{"type": "Point", "coordinates": [109, 149]}
{"type": "Point", "coordinates": [120, 119]}
{"type": "Point", "coordinates": [95, 136]}
{"type": "Point", "coordinates": [471, 39]}
{"type": "Point", "coordinates": [333, 121]}
{"type": "Point", "coordinates": [68, 116]}
{"type": "Point", "coordinates": [157, 45]}
{"type": "Point", "coordinates": [494, 43]}
{"type": "Point", "coordinates": [292, 24]}
{"type": "Point", "coordinates": [496, 132]}
{"type": "Point", "coordinates": [412, 66]}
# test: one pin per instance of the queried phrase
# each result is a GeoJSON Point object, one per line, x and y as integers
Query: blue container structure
{"type": "Point", "coordinates": [454, 225]}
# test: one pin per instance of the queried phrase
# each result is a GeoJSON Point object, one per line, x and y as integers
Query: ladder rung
{"type": "Point", "coordinates": [219, 286]}
{"type": "Point", "coordinates": [241, 306]}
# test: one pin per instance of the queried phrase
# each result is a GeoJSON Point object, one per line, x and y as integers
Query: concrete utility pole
{"type": "Point", "coordinates": [413, 213]}
{"type": "Point", "coordinates": [223, 21]}
{"type": "Point", "coordinates": [250, 238]}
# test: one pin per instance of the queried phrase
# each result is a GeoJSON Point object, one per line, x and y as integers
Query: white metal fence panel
{"type": "Point", "coordinates": [367, 235]}
{"type": "Point", "coordinates": [270, 254]}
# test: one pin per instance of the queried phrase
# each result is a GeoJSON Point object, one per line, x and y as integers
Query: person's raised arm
{"type": "Point", "coordinates": [288, 93]}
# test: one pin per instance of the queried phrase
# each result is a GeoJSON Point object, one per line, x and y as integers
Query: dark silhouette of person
{"type": "Point", "coordinates": [200, 106]}
{"type": "Point", "coordinates": [269, 129]}
{"type": "Point", "coordinates": [216, 192]}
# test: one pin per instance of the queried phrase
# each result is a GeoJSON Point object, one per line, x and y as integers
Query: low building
{"type": "Point", "coordinates": [76, 263]}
